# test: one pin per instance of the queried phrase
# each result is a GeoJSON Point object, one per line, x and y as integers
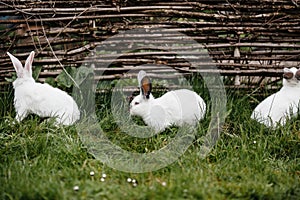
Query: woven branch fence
{"type": "Point", "coordinates": [249, 42]}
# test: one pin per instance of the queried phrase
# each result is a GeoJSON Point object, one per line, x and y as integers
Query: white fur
{"type": "Point", "coordinates": [177, 107]}
{"type": "Point", "coordinates": [281, 105]}
{"type": "Point", "coordinates": [41, 99]}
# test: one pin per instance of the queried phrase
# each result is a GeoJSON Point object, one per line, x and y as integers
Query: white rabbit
{"type": "Point", "coordinates": [41, 99]}
{"type": "Point", "coordinates": [177, 107]}
{"type": "Point", "coordinates": [278, 107]}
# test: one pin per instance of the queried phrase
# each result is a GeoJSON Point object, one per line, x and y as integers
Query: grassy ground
{"type": "Point", "coordinates": [41, 161]}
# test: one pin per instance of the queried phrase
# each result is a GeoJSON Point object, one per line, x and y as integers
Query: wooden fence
{"type": "Point", "coordinates": [249, 42]}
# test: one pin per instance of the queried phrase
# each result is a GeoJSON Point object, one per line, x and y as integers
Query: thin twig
{"type": "Point", "coordinates": [15, 8]}
{"type": "Point", "coordinates": [50, 46]}
{"type": "Point", "coordinates": [31, 35]}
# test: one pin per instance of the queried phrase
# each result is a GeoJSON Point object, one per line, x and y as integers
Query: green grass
{"type": "Point", "coordinates": [41, 161]}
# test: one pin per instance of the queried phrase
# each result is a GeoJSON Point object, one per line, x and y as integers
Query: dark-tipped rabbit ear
{"type": "Point", "coordinates": [144, 84]}
{"type": "Point", "coordinates": [297, 75]}
{"type": "Point", "coordinates": [140, 76]}
{"type": "Point", "coordinates": [287, 73]}
{"type": "Point", "coordinates": [146, 87]}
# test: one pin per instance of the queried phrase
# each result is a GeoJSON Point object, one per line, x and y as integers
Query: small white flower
{"type": "Point", "coordinates": [133, 181]}
{"type": "Point", "coordinates": [102, 179]}
{"type": "Point", "coordinates": [76, 188]}
{"type": "Point", "coordinates": [129, 180]}
{"type": "Point", "coordinates": [254, 141]}
{"type": "Point", "coordinates": [164, 184]}
{"type": "Point", "coordinates": [103, 175]}
{"type": "Point", "coordinates": [134, 184]}
{"type": "Point", "coordinates": [92, 173]}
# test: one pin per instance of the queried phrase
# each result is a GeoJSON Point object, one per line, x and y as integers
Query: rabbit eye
{"type": "Point", "coordinates": [136, 103]}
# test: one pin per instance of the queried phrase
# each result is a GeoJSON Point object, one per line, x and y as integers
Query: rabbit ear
{"type": "Point", "coordinates": [140, 76]}
{"type": "Point", "coordinates": [17, 65]}
{"type": "Point", "coordinates": [287, 73]}
{"type": "Point", "coordinates": [297, 75]}
{"type": "Point", "coordinates": [146, 87]}
{"type": "Point", "coordinates": [144, 84]}
{"type": "Point", "coordinates": [28, 63]}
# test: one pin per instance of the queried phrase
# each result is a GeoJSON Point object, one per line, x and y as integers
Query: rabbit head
{"type": "Point", "coordinates": [140, 104]}
{"type": "Point", "coordinates": [23, 73]}
{"type": "Point", "coordinates": [291, 77]}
